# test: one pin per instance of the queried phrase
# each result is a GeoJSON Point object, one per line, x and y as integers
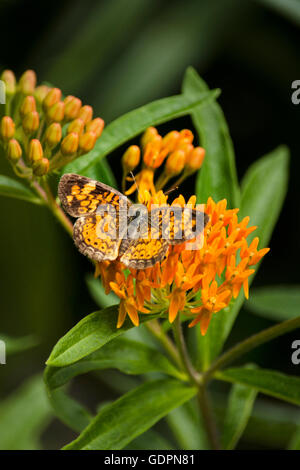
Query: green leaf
{"type": "Point", "coordinates": [294, 443]}
{"type": "Point", "coordinates": [24, 415]}
{"type": "Point", "coordinates": [217, 177]}
{"type": "Point", "coordinates": [238, 412]}
{"type": "Point", "coordinates": [288, 8]}
{"type": "Point", "coordinates": [126, 355]}
{"type": "Point", "coordinates": [269, 382]}
{"type": "Point", "coordinates": [13, 188]}
{"type": "Point", "coordinates": [133, 123]}
{"type": "Point", "coordinates": [101, 172]}
{"type": "Point", "coordinates": [68, 410]}
{"type": "Point", "coordinates": [90, 334]}
{"type": "Point", "coordinates": [277, 303]}
{"type": "Point", "coordinates": [262, 202]}
{"type": "Point", "coordinates": [150, 440]}
{"type": "Point", "coordinates": [14, 345]}
{"type": "Point", "coordinates": [187, 426]}
{"type": "Point", "coordinates": [97, 293]}
{"type": "Point", "coordinates": [138, 410]}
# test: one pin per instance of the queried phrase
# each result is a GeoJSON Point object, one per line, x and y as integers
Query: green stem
{"type": "Point", "coordinates": [208, 417]}
{"type": "Point", "coordinates": [194, 376]}
{"type": "Point", "coordinates": [251, 343]}
{"type": "Point", "coordinates": [57, 210]}
{"type": "Point", "coordinates": [155, 328]}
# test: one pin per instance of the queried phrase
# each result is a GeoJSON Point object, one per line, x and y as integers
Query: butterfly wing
{"type": "Point", "coordinates": [81, 196]}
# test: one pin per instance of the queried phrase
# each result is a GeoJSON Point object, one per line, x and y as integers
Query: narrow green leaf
{"type": "Point", "coordinates": [238, 412]}
{"type": "Point", "coordinates": [217, 177]}
{"type": "Point", "coordinates": [132, 414]}
{"type": "Point", "coordinates": [262, 201]}
{"type": "Point", "coordinates": [150, 440]}
{"type": "Point", "coordinates": [13, 188]}
{"type": "Point", "coordinates": [24, 415]}
{"type": "Point", "coordinates": [101, 172]}
{"type": "Point", "coordinates": [90, 334]}
{"type": "Point", "coordinates": [288, 8]}
{"type": "Point", "coordinates": [69, 411]}
{"type": "Point", "coordinates": [294, 443]}
{"type": "Point", "coordinates": [269, 382]}
{"type": "Point", "coordinates": [187, 426]}
{"type": "Point", "coordinates": [133, 123]}
{"type": "Point", "coordinates": [277, 303]}
{"type": "Point", "coordinates": [126, 355]}
{"type": "Point", "coordinates": [97, 292]}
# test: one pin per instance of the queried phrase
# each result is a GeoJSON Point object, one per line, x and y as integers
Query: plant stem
{"type": "Point", "coordinates": [208, 417]}
{"type": "Point", "coordinates": [180, 342]}
{"type": "Point", "coordinates": [57, 210]}
{"type": "Point", "coordinates": [251, 343]}
{"type": "Point", "coordinates": [157, 331]}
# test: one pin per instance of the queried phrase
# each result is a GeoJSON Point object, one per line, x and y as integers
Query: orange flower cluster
{"type": "Point", "coordinates": [32, 130]}
{"type": "Point", "coordinates": [196, 282]}
{"type": "Point", "coordinates": [176, 149]}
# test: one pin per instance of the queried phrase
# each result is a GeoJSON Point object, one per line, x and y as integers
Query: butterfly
{"type": "Point", "coordinates": [99, 234]}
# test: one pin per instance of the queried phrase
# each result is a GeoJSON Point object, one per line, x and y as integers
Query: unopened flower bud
{"type": "Point", "coordinates": [52, 97]}
{"type": "Point", "coordinates": [53, 134]}
{"type": "Point", "coordinates": [56, 112]}
{"type": "Point", "coordinates": [41, 92]}
{"type": "Point", "coordinates": [69, 144]}
{"type": "Point", "coordinates": [186, 136]}
{"type": "Point", "coordinates": [96, 125]}
{"type": "Point", "coordinates": [87, 141]}
{"type": "Point", "coordinates": [175, 163]}
{"type": "Point", "coordinates": [170, 140]}
{"type": "Point", "coordinates": [131, 158]}
{"type": "Point", "coordinates": [14, 151]}
{"type": "Point", "coordinates": [7, 128]}
{"type": "Point", "coordinates": [10, 81]}
{"type": "Point", "coordinates": [72, 107]}
{"type": "Point", "coordinates": [31, 122]}
{"type": "Point", "coordinates": [27, 106]}
{"type": "Point", "coordinates": [41, 167]}
{"type": "Point", "coordinates": [195, 159]}
{"type": "Point", "coordinates": [86, 113]}
{"type": "Point", "coordinates": [35, 150]}
{"type": "Point", "coordinates": [27, 82]}
{"type": "Point", "coordinates": [148, 136]}
{"type": "Point", "coordinates": [76, 126]}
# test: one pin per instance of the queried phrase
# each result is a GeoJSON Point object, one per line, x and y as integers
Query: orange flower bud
{"type": "Point", "coordinates": [27, 82]}
{"type": "Point", "coordinates": [175, 163]}
{"type": "Point", "coordinates": [35, 151]}
{"type": "Point", "coordinates": [52, 97]}
{"type": "Point", "coordinates": [153, 157]}
{"type": "Point", "coordinates": [148, 136]}
{"type": "Point", "coordinates": [72, 107]}
{"type": "Point", "coordinates": [131, 158]}
{"type": "Point", "coordinates": [53, 134]}
{"type": "Point", "coordinates": [41, 167]}
{"type": "Point", "coordinates": [87, 141]}
{"type": "Point", "coordinates": [76, 126]}
{"type": "Point", "coordinates": [7, 128]}
{"type": "Point", "coordinates": [69, 144]}
{"type": "Point", "coordinates": [195, 159]}
{"type": "Point", "coordinates": [27, 106]}
{"type": "Point", "coordinates": [186, 136]}
{"type": "Point", "coordinates": [41, 92]}
{"type": "Point", "coordinates": [10, 81]}
{"type": "Point", "coordinates": [56, 112]}
{"type": "Point", "coordinates": [14, 151]}
{"type": "Point", "coordinates": [96, 125]}
{"type": "Point", "coordinates": [31, 122]}
{"type": "Point", "coordinates": [86, 113]}
{"type": "Point", "coordinates": [170, 140]}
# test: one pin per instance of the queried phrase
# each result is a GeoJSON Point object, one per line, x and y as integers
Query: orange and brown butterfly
{"type": "Point", "coordinates": [98, 233]}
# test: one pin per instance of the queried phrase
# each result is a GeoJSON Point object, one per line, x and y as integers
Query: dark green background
{"type": "Point", "coordinates": [117, 55]}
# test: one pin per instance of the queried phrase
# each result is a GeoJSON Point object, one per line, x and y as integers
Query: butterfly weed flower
{"type": "Point", "coordinates": [64, 128]}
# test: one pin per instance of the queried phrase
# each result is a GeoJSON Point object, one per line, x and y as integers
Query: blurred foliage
{"type": "Point", "coordinates": [117, 55]}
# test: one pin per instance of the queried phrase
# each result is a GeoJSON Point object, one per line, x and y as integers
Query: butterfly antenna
{"type": "Point", "coordinates": [171, 190]}
{"type": "Point", "coordinates": [135, 183]}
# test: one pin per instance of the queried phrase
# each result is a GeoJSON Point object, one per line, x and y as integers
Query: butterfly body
{"type": "Point", "coordinates": [108, 227]}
